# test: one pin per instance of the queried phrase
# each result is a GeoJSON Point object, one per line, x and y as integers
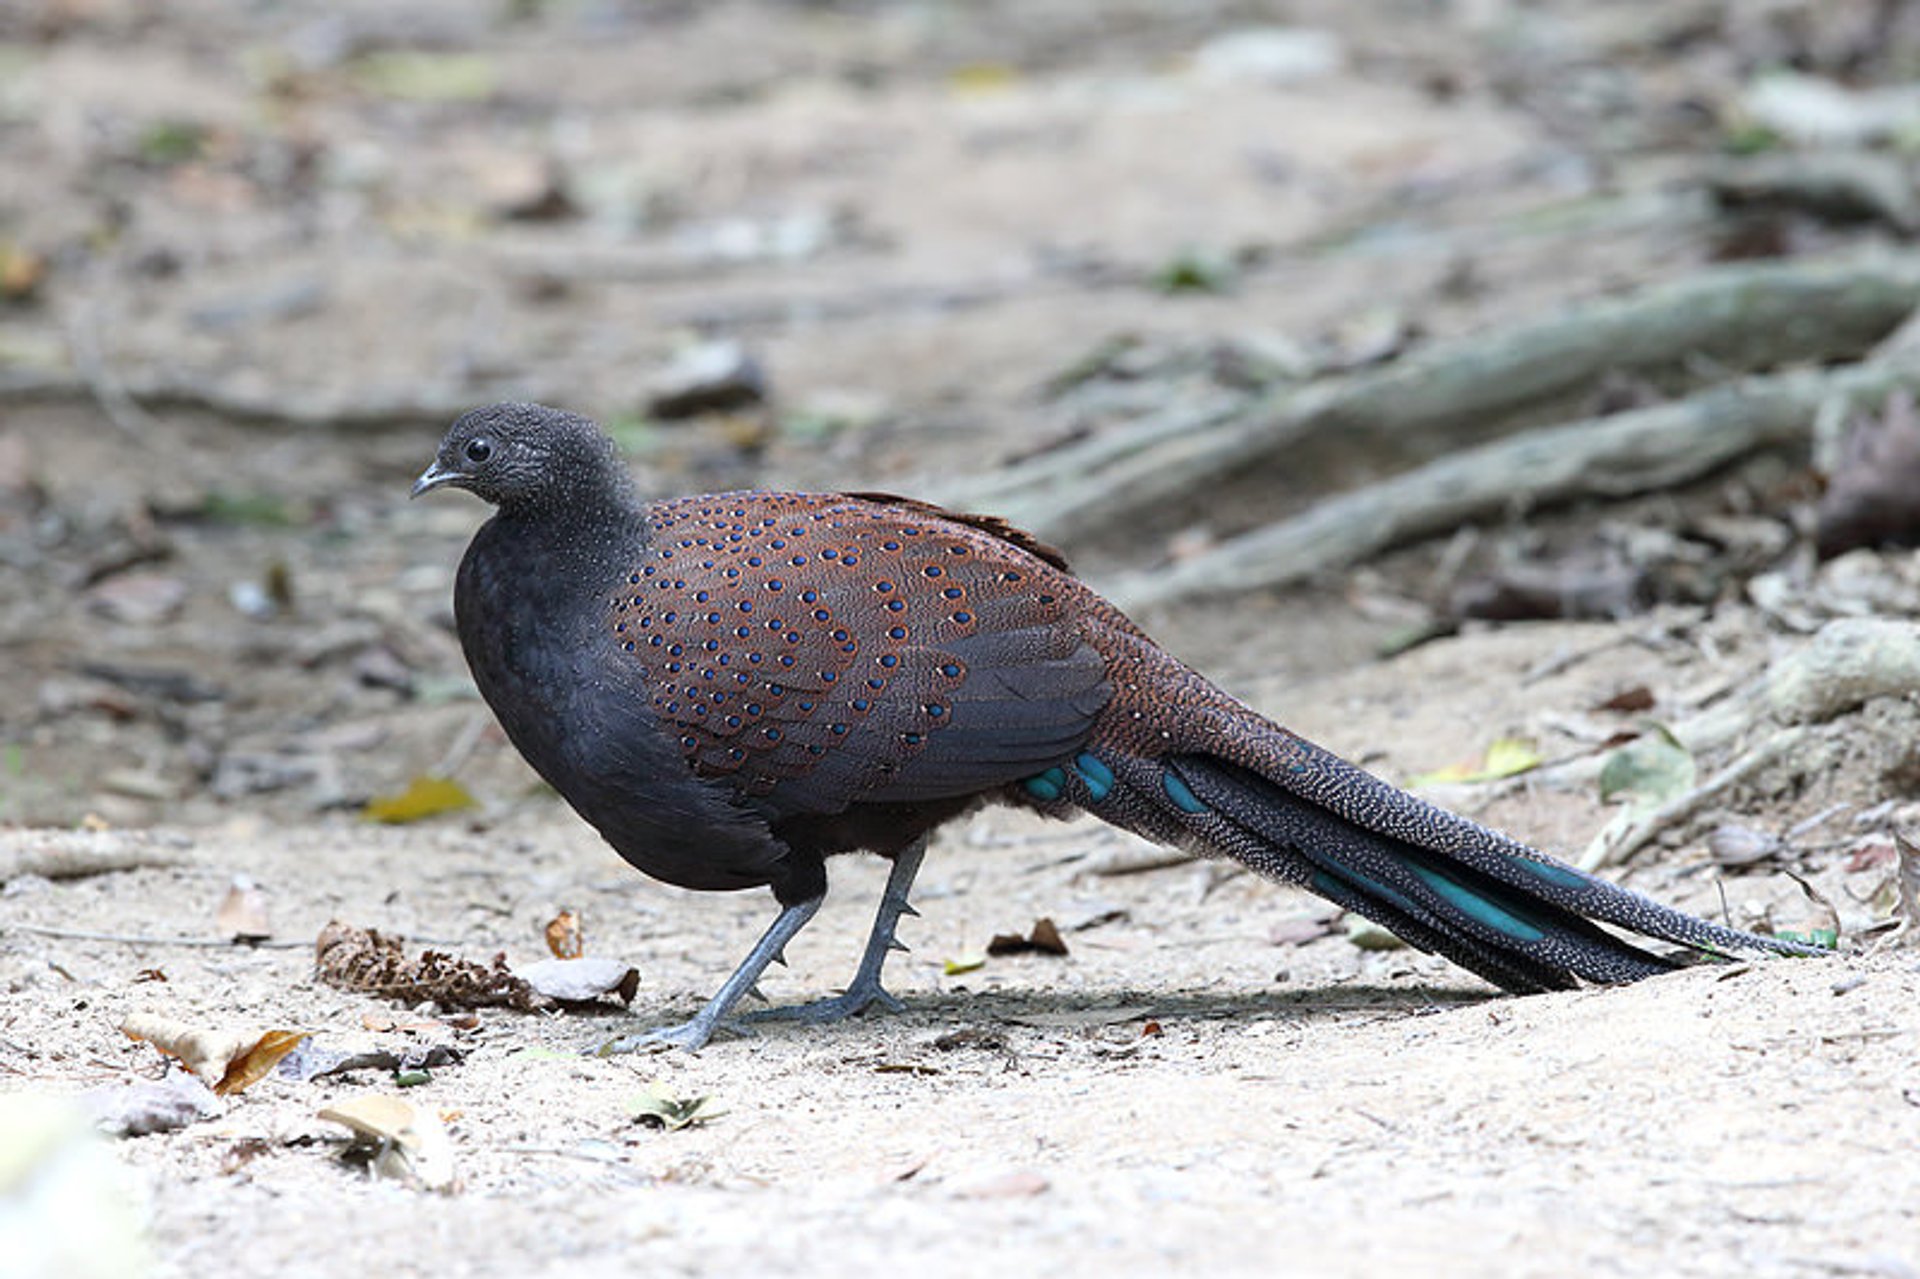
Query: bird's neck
{"type": "Point", "coordinates": [584, 534]}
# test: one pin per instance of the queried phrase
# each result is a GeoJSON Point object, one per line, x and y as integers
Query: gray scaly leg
{"type": "Point", "coordinates": [693, 1035]}
{"type": "Point", "coordinates": [865, 990]}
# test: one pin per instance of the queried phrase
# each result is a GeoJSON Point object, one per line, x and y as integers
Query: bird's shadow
{"type": "Point", "coordinates": [1039, 1008]}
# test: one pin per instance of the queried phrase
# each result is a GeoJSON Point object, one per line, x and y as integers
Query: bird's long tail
{"type": "Point", "coordinates": [1232, 783]}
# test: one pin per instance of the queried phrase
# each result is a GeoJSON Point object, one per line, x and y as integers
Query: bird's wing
{"type": "Point", "coordinates": [828, 650]}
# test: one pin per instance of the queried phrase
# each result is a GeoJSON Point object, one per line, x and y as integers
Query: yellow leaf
{"type": "Point", "coordinates": [419, 76]}
{"type": "Point", "coordinates": [253, 1065]}
{"type": "Point", "coordinates": [1505, 758]}
{"type": "Point", "coordinates": [423, 797]}
{"type": "Point", "coordinates": [983, 77]}
{"type": "Point", "coordinates": [964, 964]}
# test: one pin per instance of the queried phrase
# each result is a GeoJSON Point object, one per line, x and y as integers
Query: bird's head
{"type": "Point", "coordinates": [525, 456]}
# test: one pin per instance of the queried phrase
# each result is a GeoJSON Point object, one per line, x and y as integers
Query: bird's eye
{"type": "Point", "coordinates": [478, 450]}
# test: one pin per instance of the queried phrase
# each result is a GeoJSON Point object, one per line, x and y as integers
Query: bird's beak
{"type": "Point", "coordinates": [432, 478]}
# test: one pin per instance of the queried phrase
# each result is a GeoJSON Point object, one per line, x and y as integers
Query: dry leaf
{"type": "Point", "coordinates": [1367, 935]}
{"type": "Point", "coordinates": [374, 963]}
{"type": "Point", "coordinates": [424, 797]}
{"type": "Point", "coordinates": [409, 1143]}
{"type": "Point", "coordinates": [564, 936]}
{"type": "Point", "coordinates": [1823, 921]}
{"type": "Point", "coordinates": [662, 1108]}
{"type": "Point", "coordinates": [314, 1062]}
{"type": "Point", "coordinates": [258, 1061]}
{"type": "Point", "coordinates": [1044, 938]}
{"type": "Point", "coordinates": [1504, 758]}
{"type": "Point", "coordinates": [1630, 701]}
{"type": "Point", "coordinates": [152, 1105]}
{"type": "Point", "coordinates": [1650, 770]}
{"type": "Point", "coordinates": [243, 914]}
{"type": "Point", "coordinates": [231, 1061]}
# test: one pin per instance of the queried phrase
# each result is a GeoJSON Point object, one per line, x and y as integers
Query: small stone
{"type": "Point", "coordinates": [139, 598]}
{"type": "Point", "coordinates": [713, 377]}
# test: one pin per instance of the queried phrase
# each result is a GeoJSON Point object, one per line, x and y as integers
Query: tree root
{"type": "Point", "coordinates": [1729, 320]}
{"type": "Point", "coordinates": [1615, 456]}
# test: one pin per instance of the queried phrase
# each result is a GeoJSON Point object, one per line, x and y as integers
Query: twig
{"type": "Point", "coordinates": [108, 391]}
{"type": "Point", "coordinates": [135, 939]}
{"type": "Point", "coordinates": [463, 744]}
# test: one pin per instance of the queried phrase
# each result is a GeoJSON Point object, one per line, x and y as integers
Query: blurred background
{"type": "Point", "coordinates": [1148, 277]}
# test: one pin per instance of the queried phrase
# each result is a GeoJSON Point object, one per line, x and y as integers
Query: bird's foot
{"type": "Point", "coordinates": [859, 999]}
{"type": "Point", "coordinates": [688, 1036]}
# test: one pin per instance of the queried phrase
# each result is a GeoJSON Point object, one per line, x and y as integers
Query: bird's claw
{"type": "Point", "coordinates": [688, 1036]}
{"type": "Point", "coordinates": [855, 1002]}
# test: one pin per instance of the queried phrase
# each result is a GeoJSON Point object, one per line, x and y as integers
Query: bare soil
{"type": "Point", "coordinates": [233, 631]}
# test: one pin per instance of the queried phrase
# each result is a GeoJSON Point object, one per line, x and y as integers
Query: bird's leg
{"type": "Point", "coordinates": [693, 1035]}
{"type": "Point", "coordinates": [865, 991]}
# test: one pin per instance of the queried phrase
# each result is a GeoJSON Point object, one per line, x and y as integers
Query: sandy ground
{"type": "Point", "coordinates": [1207, 1082]}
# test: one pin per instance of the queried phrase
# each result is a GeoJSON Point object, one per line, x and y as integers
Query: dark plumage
{"type": "Point", "coordinates": [732, 688]}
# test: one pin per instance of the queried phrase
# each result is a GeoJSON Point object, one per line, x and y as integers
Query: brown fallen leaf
{"type": "Point", "coordinates": [1629, 701]}
{"type": "Point", "coordinates": [230, 1061]}
{"type": "Point", "coordinates": [564, 936]}
{"type": "Point", "coordinates": [1044, 939]}
{"type": "Point", "coordinates": [375, 963]}
{"type": "Point", "coordinates": [243, 912]}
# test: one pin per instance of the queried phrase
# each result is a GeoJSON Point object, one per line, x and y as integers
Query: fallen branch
{"type": "Point", "coordinates": [1840, 185]}
{"type": "Point", "coordinates": [276, 405]}
{"type": "Point", "coordinates": [1733, 319]}
{"type": "Point", "coordinates": [76, 854]}
{"type": "Point", "coordinates": [1615, 456]}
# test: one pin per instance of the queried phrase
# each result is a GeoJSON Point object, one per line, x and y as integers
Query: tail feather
{"type": "Point", "coordinates": [1515, 939]}
{"type": "Point", "coordinates": [1442, 883]}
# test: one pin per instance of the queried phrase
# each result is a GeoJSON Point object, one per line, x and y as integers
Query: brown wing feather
{"type": "Point", "coordinates": [827, 650]}
{"type": "Point", "coordinates": [992, 525]}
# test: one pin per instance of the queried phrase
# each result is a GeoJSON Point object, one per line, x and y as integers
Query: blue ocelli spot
{"type": "Point", "coordinates": [1476, 907]}
{"type": "Point", "coordinates": [1560, 876]}
{"type": "Point", "coordinates": [1097, 776]}
{"type": "Point", "coordinates": [1180, 793]}
{"type": "Point", "coordinates": [1047, 785]}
